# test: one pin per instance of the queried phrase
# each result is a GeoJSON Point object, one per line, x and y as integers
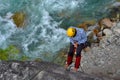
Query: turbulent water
{"type": "Point", "coordinates": [46, 21]}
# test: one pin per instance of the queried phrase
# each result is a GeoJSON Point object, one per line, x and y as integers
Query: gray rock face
{"type": "Point", "coordinates": [16, 70]}
{"type": "Point", "coordinates": [105, 58]}
{"type": "Point", "coordinates": [102, 59]}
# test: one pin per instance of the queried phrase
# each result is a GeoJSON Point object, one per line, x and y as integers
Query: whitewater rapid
{"type": "Point", "coordinates": [42, 33]}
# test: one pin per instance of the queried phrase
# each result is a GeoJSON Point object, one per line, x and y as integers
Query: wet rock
{"type": "Point", "coordinates": [19, 18]}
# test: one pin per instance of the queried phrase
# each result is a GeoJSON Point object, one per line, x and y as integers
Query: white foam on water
{"type": "Point", "coordinates": [61, 5]}
{"type": "Point", "coordinates": [7, 28]}
{"type": "Point", "coordinates": [116, 4]}
{"type": "Point", "coordinates": [50, 39]}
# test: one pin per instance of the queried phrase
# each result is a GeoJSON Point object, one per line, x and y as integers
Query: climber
{"type": "Point", "coordinates": [78, 40]}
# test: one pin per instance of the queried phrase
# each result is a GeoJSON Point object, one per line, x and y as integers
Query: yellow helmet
{"type": "Point", "coordinates": [71, 32]}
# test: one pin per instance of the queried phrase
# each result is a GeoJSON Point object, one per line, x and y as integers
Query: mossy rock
{"type": "Point", "coordinates": [19, 19]}
{"type": "Point", "coordinates": [24, 58]}
{"type": "Point", "coordinates": [118, 0]}
{"type": "Point", "coordinates": [90, 22]}
{"type": "Point", "coordinates": [38, 60]}
{"type": "Point", "coordinates": [8, 53]}
{"type": "Point", "coordinates": [61, 57]}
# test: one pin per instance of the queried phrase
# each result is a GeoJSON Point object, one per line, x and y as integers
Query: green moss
{"type": "Point", "coordinates": [38, 60]}
{"type": "Point", "coordinates": [8, 53]}
{"type": "Point", "coordinates": [61, 57]}
{"type": "Point", "coordinates": [3, 55]}
{"type": "Point", "coordinates": [118, 0]}
{"type": "Point", "coordinates": [24, 58]}
{"type": "Point", "coordinates": [12, 49]}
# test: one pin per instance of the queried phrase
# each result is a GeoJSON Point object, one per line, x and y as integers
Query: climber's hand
{"type": "Point", "coordinates": [75, 44]}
